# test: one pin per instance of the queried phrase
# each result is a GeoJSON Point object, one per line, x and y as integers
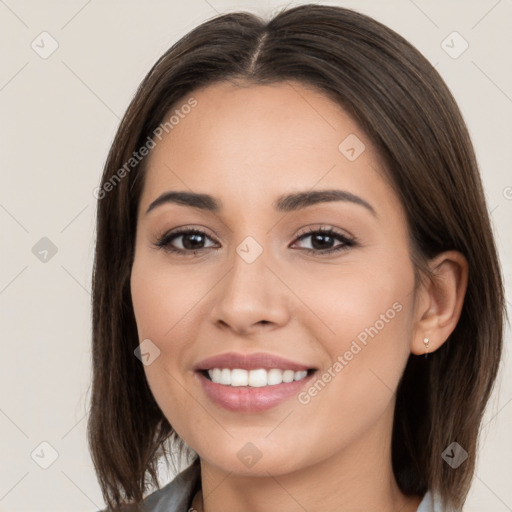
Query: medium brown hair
{"type": "Point", "coordinates": [408, 113]}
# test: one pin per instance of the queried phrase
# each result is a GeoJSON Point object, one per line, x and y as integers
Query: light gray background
{"type": "Point", "coordinates": [58, 118]}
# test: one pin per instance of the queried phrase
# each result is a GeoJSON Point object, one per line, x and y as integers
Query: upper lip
{"type": "Point", "coordinates": [249, 362]}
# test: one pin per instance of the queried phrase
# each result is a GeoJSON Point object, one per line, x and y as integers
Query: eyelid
{"type": "Point", "coordinates": [325, 228]}
{"type": "Point", "coordinates": [184, 227]}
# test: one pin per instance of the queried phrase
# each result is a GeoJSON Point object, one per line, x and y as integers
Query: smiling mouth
{"type": "Point", "coordinates": [254, 378]}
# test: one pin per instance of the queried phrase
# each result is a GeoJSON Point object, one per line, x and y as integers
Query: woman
{"type": "Point", "coordinates": [295, 277]}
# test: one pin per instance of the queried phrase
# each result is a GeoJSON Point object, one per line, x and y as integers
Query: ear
{"type": "Point", "coordinates": [439, 301]}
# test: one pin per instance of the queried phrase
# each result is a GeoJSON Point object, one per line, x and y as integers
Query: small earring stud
{"type": "Point", "coordinates": [426, 341]}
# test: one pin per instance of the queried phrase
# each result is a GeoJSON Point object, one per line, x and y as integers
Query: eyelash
{"type": "Point", "coordinates": [164, 242]}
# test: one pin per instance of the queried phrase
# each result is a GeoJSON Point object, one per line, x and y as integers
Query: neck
{"type": "Point", "coordinates": [358, 477]}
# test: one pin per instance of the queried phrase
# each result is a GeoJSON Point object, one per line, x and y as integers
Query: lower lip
{"type": "Point", "coordinates": [248, 399]}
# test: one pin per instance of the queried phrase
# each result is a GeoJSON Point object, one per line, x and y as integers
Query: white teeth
{"type": "Point", "coordinates": [225, 376]}
{"type": "Point", "coordinates": [239, 377]}
{"type": "Point", "coordinates": [254, 378]}
{"type": "Point", "coordinates": [258, 378]}
{"type": "Point", "coordinates": [274, 376]}
{"type": "Point", "coordinates": [288, 375]}
{"type": "Point", "coordinates": [216, 374]}
{"type": "Point", "coordinates": [300, 375]}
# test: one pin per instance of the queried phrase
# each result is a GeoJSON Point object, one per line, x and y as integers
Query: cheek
{"type": "Point", "coordinates": [164, 298]}
{"type": "Point", "coordinates": [166, 302]}
{"type": "Point", "coordinates": [370, 315]}
{"type": "Point", "coordinates": [361, 300]}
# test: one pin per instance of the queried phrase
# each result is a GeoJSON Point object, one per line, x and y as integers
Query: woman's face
{"type": "Point", "coordinates": [258, 279]}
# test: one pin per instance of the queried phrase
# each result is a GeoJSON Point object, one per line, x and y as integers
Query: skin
{"type": "Point", "coordinates": [246, 145]}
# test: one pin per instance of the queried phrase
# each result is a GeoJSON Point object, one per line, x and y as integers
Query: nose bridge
{"type": "Point", "coordinates": [250, 293]}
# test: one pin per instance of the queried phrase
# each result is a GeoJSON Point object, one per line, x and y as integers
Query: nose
{"type": "Point", "coordinates": [250, 297]}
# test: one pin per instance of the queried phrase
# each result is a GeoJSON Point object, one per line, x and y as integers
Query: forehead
{"type": "Point", "coordinates": [234, 119]}
{"type": "Point", "coordinates": [252, 141]}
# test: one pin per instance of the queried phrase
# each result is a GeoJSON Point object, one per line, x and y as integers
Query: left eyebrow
{"type": "Point", "coordinates": [299, 200]}
{"type": "Point", "coordinates": [284, 203]}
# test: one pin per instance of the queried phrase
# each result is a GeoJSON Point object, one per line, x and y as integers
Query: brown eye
{"type": "Point", "coordinates": [191, 240]}
{"type": "Point", "coordinates": [322, 241]}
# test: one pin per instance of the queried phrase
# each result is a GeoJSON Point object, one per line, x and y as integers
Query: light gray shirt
{"type": "Point", "coordinates": [178, 494]}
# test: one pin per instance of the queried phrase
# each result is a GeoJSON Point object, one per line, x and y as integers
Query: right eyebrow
{"type": "Point", "coordinates": [192, 199]}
